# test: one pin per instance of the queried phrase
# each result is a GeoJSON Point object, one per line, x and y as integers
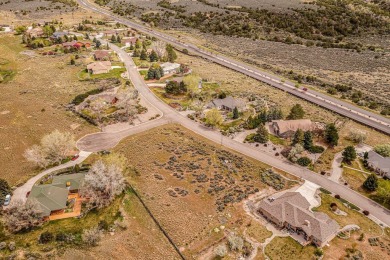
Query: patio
{"type": "Point", "coordinates": [71, 212]}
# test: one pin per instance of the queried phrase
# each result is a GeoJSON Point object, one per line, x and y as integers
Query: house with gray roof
{"type": "Point", "coordinates": [379, 164]}
{"type": "Point", "coordinates": [52, 198]}
{"type": "Point", "coordinates": [287, 128]}
{"type": "Point", "coordinates": [291, 211]}
{"type": "Point", "coordinates": [228, 104]}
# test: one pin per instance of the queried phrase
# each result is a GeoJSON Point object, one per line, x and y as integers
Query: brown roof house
{"type": "Point", "coordinates": [129, 41]}
{"type": "Point", "coordinates": [101, 55]}
{"type": "Point", "coordinates": [35, 32]}
{"type": "Point", "coordinates": [379, 164]}
{"type": "Point", "coordinates": [99, 67]}
{"type": "Point", "coordinates": [291, 211]}
{"type": "Point", "coordinates": [287, 128]}
{"type": "Point", "coordinates": [228, 104]}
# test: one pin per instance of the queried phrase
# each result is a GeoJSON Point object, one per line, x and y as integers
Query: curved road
{"type": "Point", "coordinates": [346, 109]}
{"type": "Point", "coordinates": [101, 141]}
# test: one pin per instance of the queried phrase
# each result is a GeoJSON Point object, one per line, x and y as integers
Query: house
{"type": "Point", "coordinates": [287, 128]}
{"type": "Point", "coordinates": [228, 104]}
{"type": "Point", "coordinates": [109, 33]}
{"type": "Point", "coordinates": [170, 68]}
{"type": "Point", "coordinates": [129, 41]}
{"type": "Point", "coordinates": [379, 164]}
{"type": "Point", "coordinates": [53, 198]}
{"type": "Point", "coordinates": [291, 211]}
{"type": "Point", "coordinates": [101, 55]}
{"type": "Point", "coordinates": [35, 32]}
{"type": "Point", "coordinates": [99, 67]}
{"type": "Point", "coordinates": [57, 35]}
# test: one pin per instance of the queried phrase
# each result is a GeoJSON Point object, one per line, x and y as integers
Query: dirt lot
{"type": "Point", "coordinates": [32, 104]}
{"type": "Point", "coordinates": [191, 185]}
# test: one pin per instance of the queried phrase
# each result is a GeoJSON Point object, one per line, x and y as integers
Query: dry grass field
{"type": "Point", "coordinates": [192, 186]}
{"type": "Point", "coordinates": [33, 103]}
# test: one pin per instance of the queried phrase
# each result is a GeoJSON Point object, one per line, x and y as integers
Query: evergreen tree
{"type": "Point", "coordinates": [131, 47]}
{"type": "Point", "coordinates": [262, 135]}
{"type": "Point", "coordinates": [98, 44]}
{"type": "Point", "coordinates": [143, 55]}
{"type": "Point", "coordinates": [331, 135]}
{"type": "Point", "coordinates": [113, 38]}
{"type": "Point", "coordinates": [349, 154]}
{"type": "Point", "coordinates": [171, 54]}
{"type": "Point", "coordinates": [371, 183]}
{"type": "Point", "coordinates": [298, 138]}
{"type": "Point", "coordinates": [153, 57]}
{"type": "Point", "coordinates": [296, 112]}
{"type": "Point", "coordinates": [136, 53]}
{"type": "Point", "coordinates": [308, 140]}
{"type": "Point", "coordinates": [236, 114]}
{"type": "Point", "coordinates": [118, 39]}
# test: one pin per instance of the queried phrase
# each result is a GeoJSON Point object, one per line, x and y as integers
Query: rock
{"type": "Point", "coordinates": [3, 245]}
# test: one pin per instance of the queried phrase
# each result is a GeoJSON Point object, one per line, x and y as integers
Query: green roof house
{"type": "Point", "coordinates": [53, 197]}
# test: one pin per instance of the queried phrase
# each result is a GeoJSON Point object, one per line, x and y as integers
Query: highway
{"type": "Point", "coordinates": [338, 106]}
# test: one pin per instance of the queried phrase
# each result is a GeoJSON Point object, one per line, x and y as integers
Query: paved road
{"type": "Point", "coordinates": [21, 192]}
{"type": "Point", "coordinates": [100, 141]}
{"type": "Point", "coordinates": [346, 109]}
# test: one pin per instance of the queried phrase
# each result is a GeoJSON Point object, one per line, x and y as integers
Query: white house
{"type": "Point", "coordinates": [170, 68]}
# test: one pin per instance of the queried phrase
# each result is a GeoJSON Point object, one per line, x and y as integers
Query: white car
{"type": "Point", "coordinates": [7, 200]}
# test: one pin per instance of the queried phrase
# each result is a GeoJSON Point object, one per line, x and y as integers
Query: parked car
{"type": "Point", "coordinates": [74, 158]}
{"type": "Point", "coordinates": [7, 200]}
{"type": "Point", "coordinates": [27, 194]}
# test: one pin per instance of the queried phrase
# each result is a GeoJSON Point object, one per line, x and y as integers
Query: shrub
{"type": "Point", "coordinates": [366, 212]}
{"type": "Point", "coordinates": [103, 225]}
{"type": "Point", "coordinates": [61, 237]}
{"type": "Point", "coordinates": [46, 237]}
{"type": "Point", "coordinates": [316, 149]}
{"type": "Point", "coordinates": [371, 183]}
{"type": "Point", "coordinates": [337, 196]}
{"type": "Point", "coordinates": [325, 191]}
{"type": "Point", "coordinates": [92, 236]}
{"type": "Point", "coordinates": [333, 206]}
{"type": "Point", "coordinates": [221, 250]}
{"type": "Point", "coordinates": [318, 252]}
{"type": "Point", "coordinates": [304, 161]}
{"type": "Point", "coordinates": [235, 242]}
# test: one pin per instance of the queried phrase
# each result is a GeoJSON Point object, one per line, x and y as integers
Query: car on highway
{"type": "Point", "coordinates": [7, 200]}
{"type": "Point", "coordinates": [74, 158]}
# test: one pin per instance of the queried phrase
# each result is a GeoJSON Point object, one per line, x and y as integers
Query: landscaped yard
{"type": "Point", "coordinates": [114, 73]}
{"type": "Point", "coordinates": [281, 248]}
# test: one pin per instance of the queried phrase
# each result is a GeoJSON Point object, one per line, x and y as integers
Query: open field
{"type": "Point", "coordinates": [192, 186]}
{"type": "Point", "coordinates": [33, 104]}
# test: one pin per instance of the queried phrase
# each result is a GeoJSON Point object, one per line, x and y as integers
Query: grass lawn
{"type": "Point", "coordinates": [114, 73]}
{"type": "Point", "coordinates": [258, 232]}
{"type": "Point", "coordinates": [276, 140]}
{"type": "Point", "coordinates": [183, 100]}
{"type": "Point", "coordinates": [367, 225]}
{"type": "Point", "coordinates": [287, 248]}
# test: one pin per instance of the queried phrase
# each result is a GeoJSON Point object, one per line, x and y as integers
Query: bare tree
{"type": "Point", "coordinates": [23, 216]}
{"type": "Point", "coordinates": [36, 155]}
{"type": "Point", "coordinates": [221, 250]}
{"type": "Point", "coordinates": [92, 236]}
{"type": "Point", "coordinates": [54, 147]}
{"type": "Point", "coordinates": [57, 145]}
{"type": "Point", "coordinates": [102, 184]}
{"type": "Point", "coordinates": [160, 48]}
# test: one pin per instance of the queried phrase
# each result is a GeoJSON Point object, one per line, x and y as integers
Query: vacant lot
{"type": "Point", "coordinates": [192, 186]}
{"type": "Point", "coordinates": [33, 103]}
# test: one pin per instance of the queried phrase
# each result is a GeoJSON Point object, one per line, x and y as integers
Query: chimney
{"type": "Point", "coordinates": [307, 223]}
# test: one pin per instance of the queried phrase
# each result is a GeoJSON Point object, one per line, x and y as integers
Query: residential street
{"type": "Point", "coordinates": [101, 141]}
